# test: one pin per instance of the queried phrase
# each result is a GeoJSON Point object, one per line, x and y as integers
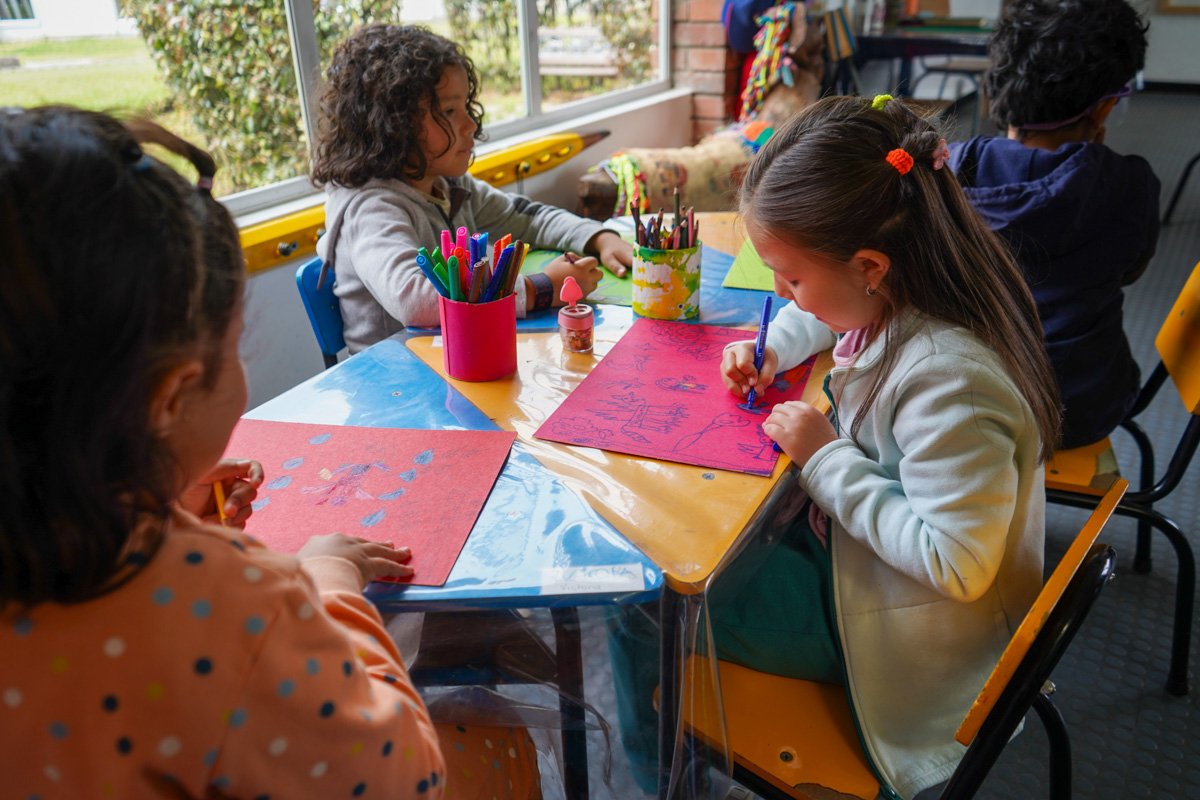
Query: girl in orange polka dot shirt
{"type": "Point", "coordinates": [146, 650]}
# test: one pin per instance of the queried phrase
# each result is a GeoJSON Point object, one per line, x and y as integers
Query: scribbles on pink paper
{"type": "Point", "coordinates": [414, 488]}
{"type": "Point", "coordinates": [658, 393]}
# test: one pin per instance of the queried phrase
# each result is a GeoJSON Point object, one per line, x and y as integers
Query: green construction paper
{"type": "Point", "coordinates": [749, 272]}
{"type": "Point", "coordinates": [611, 290]}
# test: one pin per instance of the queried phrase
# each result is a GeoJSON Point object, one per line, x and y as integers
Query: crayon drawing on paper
{"type": "Point", "coordinates": [658, 393]}
{"type": "Point", "coordinates": [414, 488]}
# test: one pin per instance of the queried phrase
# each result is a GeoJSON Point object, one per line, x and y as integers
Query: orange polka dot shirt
{"type": "Point", "coordinates": [222, 667]}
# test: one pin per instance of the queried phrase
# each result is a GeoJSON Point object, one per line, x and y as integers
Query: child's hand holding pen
{"type": "Point", "coordinates": [615, 253]}
{"type": "Point", "coordinates": [737, 368]}
{"type": "Point", "coordinates": [234, 480]}
{"type": "Point", "coordinates": [584, 269]}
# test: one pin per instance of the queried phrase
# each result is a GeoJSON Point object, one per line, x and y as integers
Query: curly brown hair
{"type": "Point", "coordinates": [378, 86]}
{"type": "Point", "coordinates": [1054, 58]}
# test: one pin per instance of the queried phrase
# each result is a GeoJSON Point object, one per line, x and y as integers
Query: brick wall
{"type": "Point", "coordinates": [702, 61]}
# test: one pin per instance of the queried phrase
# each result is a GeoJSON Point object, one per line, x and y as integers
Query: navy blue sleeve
{"type": "Point", "coordinates": [738, 18]}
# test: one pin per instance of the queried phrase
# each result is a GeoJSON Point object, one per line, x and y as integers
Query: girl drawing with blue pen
{"type": "Point", "coordinates": [922, 547]}
{"type": "Point", "coordinates": [400, 118]}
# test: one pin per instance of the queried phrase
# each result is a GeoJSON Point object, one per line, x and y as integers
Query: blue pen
{"type": "Point", "coordinates": [760, 346]}
{"type": "Point", "coordinates": [493, 287]}
{"type": "Point", "coordinates": [427, 267]}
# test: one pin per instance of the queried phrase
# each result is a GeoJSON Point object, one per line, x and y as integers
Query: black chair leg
{"type": "Point", "coordinates": [1141, 555]}
{"type": "Point", "coordinates": [1179, 188]}
{"type": "Point", "coordinates": [569, 654]}
{"type": "Point", "coordinates": [1060, 746]}
{"type": "Point", "coordinates": [1185, 581]}
{"type": "Point", "coordinates": [1185, 592]}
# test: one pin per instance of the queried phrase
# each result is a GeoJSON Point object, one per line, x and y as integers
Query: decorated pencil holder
{"type": "Point", "coordinates": [479, 340]}
{"type": "Point", "coordinates": [666, 283]}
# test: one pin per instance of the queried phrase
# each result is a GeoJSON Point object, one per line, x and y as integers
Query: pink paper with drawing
{"type": "Point", "coordinates": [420, 489]}
{"type": "Point", "coordinates": [659, 393]}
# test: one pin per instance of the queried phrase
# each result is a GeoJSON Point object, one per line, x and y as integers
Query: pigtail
{"type": "Point", "coordinates": [145, 131]}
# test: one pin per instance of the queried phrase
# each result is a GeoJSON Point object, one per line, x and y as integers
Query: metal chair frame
{"type": "Point", "coordinates": [1019, 681]}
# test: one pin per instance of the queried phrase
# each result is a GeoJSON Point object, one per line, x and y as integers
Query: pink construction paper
{"type": "Point", "coordinates": [416, 488]}
{"type": "Point", "coordinates": [659, 393]}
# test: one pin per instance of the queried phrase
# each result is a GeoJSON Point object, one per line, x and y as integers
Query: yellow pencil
{"type": "Point", "coordinates": [219, 494]}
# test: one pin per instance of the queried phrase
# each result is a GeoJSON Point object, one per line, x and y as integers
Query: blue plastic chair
{"type": "Point", "coordinates": [321, 304]}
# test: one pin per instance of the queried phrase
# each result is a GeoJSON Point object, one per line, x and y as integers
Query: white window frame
{"type": "Point", "coordinates": [307, 64]}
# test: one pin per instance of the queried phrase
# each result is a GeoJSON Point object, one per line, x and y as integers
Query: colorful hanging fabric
{"type": "Point", "coordinates": [631, 183]}
{"type": "Point", "coordinates": [771, 62]}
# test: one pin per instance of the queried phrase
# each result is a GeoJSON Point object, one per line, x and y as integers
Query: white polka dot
{"type": "Point", "coordinates": [512, 753]}
{"type": "Point", "coordinates": [12, 697]}
{"type": "Point", "coordinates": [278, 747]}
{"type": "Point", "coordinates": [52, 773]}
{"type": "Point", "coordinates": [252, 574]}
{"type": "Point", "coordinates": [318, 769]}
{"type": "Point", "coordinates": [305, 611]}
{"type": "Point", "coordinates": [114, 647]}
{"type": "Point", "coordinates": [170, 746]}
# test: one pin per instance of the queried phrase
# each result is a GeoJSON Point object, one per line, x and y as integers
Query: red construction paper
{"type": "Point", "coordinates": [659, 393]}
{"type": "Point", "coordinates": [414, 488]}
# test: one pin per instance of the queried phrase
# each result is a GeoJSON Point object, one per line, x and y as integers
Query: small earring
{"type": "Point", "coordinates": [871, 292]}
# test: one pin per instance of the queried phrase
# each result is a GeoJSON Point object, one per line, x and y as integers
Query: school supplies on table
{"type": "Point", "coordinates": [576, 321]}
{"type": "Point", "coordinates": [461, 269]}
{"type": "Point", "coordinates": [658, 393]}
{"type": "Point", "coordinates": [748, 271]}
{"type": "Point", "coordinates": [479, 340]}
{"type": "Point", "coordinates": [760, 346]}
{"type": "Point", "coordinates": [683, 233]}
{"type": "Point", "coordinates": [393, 485]}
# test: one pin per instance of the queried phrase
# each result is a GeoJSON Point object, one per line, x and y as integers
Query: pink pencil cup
{"type": "Point", "coordinates": [479, 340]}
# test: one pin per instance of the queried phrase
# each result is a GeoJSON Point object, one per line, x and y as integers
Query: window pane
{"type": "Point", "coordinates": [489, 31]}
{"type": "Point", "coordinates": [595, 46]}
{"type": "Point", "coordinates": [218, 74]}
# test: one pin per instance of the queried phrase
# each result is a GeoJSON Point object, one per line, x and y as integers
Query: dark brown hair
{"type": "Point", "coordinates": [1052, 59]}
{"type": "Point", "coordinates": [822, 183]}
{"type": "Point", "coordinates": [117, 269]}
{"type": "Point", "coordinates": [378, 86]}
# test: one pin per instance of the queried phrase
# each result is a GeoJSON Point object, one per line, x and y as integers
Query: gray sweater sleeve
{"type": "Point", "coordinates": [380, 239]}
{"type": "Point", "coordinates": [795, 335]}
{"type": "Point", "coordinates": [541, 225]}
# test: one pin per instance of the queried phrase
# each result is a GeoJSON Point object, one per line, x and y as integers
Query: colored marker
{"type": "Point", "coordinates": [426, 267]}
{"type": "Point", "coordinates": [452, 274]}
{"type": "Point", "coordinates": [493, 287]}
{"type": "Point", "coordinates": [760, 346]}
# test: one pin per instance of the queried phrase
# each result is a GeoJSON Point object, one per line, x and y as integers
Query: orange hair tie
{"type": "Point", "coordinates": [901, 160]}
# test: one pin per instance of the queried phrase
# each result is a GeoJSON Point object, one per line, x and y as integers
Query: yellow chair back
{"type": "Point", "coordinates": [1178, 343]}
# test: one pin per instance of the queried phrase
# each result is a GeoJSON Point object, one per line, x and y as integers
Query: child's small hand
{"type": "Point", "coordinates": [374, 559]}
{"type": "Point", "coordinates": [239, 478]}
{"type": "Point", "coordinates": [584, 269]}
{"type": "Point", "coordinates": [799, 429]}
{"type": "Point", "coordinates": [737, 367]}
{"type": "Point", "coordinates": [615, 253]}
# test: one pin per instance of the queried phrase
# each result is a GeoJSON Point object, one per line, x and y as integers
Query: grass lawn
{"type": "Point", "coordinates": [105, 74]}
